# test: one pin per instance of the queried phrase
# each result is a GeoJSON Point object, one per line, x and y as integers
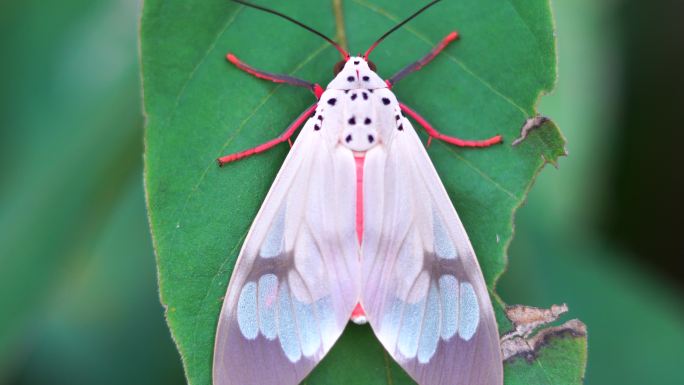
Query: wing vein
{"type": "Point", "coordinates": [314, 309]}
{"type": "Point", "coordinates": [295, 317]}
{"type": "Point", "coordinates": [422, 319]}
{"type": "Point", "coordinates": [403, 309]}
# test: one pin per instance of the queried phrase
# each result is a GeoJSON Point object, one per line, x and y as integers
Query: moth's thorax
{"type": "Point", "coordinates": [356, 74]}
{"type": "Point", "coordinates": [357, 110]}
{"type": "Point", "coordinates": [358, 119]}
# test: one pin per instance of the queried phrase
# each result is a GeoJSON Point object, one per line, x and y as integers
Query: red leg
{"type": "Point", "coordinates": [445, 138]}
{"type": "Point", "coordinates": [415, 66]}
{"type": "Point", "coordinates": [276, 78]}
{"type": "Point", "coordinates": [285, 136]}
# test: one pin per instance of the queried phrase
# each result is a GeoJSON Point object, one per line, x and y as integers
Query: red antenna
{"type": "Point", "coordinates": [344, 53]}
{"type": "Point", "coordinates": [418, 12]}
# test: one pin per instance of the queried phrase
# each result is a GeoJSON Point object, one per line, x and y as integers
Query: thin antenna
{"type": "Point", "coordinates": [344, 53]}
{"type": "Point", "coordinates": [418, 12]}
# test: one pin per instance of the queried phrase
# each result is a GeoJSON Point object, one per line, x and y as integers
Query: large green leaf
{"type": "Point", "coordinates": [199, 107]}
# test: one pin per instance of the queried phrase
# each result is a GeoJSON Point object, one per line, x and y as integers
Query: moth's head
{"type": "Point", "coordinates": [355, 72]}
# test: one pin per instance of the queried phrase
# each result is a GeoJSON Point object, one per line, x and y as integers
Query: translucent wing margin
{"type": "Point", "coordinates": [296, 279]}
{"type": "Point", "coordinates": [422, 287]}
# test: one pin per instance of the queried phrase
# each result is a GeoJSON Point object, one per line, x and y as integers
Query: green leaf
{"type": "Point", "coordinates": [199, 107]}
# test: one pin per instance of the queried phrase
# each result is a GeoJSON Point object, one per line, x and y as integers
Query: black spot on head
{"type": "Point", "coordinates": [353, 97]}
{"type": "Point", "coordinates": [352, 121]}
{"type": "Point", "coordinates": [366, 78]}
{"type": "Point", "coordinates": [350, 79]}
{"type": "Point", "coordinates": [348, 138]}
{"type": "Point", "coordinates": [401, 127]}
{"type": "Point", "coordinates": [317, 127]}
{"type": "Point", "coordinates": [367, 121]}
{"type": "Point", "coordinates": [332, 101]}
{"type": "Point", "coordinates": [356, 62]}
{"type": "Point", "coordinates": [365, 96]}
{"type": "Point", "coordinates": [385, 101]}
{"type": "Point", "coordinates": [371, 139]}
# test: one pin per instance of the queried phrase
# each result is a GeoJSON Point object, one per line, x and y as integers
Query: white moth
{"type": "Point", "coordinates": [357, 224]}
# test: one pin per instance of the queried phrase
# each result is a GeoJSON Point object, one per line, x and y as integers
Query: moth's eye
{"type": "Point", "coordinates": [371, 65]}
{"type": "Point", "coordinates": [338, 67]}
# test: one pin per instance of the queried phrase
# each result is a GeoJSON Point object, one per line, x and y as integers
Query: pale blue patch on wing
{"type": "Point", "coordinates": [273, 243]}
{"type": "Point", "coordinates": [430, 333]}
{"type": "Point", "coordinates": [391, 320]}
{"type": "Point", "coordinates": [448, 289]}
{"type": "Point", "coordinates": [287, 329]}
{"type": "Point", "coordinates": [469, 310]}
{"type": "Point", "coordinates": [444, 247]}
{"type": "Point", "coordinates": [308, 328]}
{"type": "Point", "coordinates": [326, 321]}
{"type": "Point", "coordinates": [247, 311]}
{"type": "Point", "coordinates": [268, 296]}
{"type": "Point", "coordinates": [410, 329]}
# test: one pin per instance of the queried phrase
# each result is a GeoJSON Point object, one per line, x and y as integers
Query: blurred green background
{"type": "Point", "coordinates": [78, 296]}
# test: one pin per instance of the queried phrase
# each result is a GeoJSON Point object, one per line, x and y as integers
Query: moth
{"type": "Point", "coordinates": [357, 224]}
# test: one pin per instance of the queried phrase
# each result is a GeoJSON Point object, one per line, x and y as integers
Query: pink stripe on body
{"type": "Point", "coordinates": [359, 196]}
{"type": "Point", "coordinates": [359, 315]}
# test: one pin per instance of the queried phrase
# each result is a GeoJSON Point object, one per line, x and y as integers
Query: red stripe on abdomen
{"type": "Point", "coordinates": [359, 197]}
{"type": "Point", "coordinates": [359, 315]}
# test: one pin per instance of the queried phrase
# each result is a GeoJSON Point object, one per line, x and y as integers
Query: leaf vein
{"type": "Point", "coordinates": [479, 171]}
{"type": "Point", "coordinates": [242, 124]}
{"type": "Point", "coordinates": [191, 76]}
{"type": "Point", "coordinates": [431, 44]}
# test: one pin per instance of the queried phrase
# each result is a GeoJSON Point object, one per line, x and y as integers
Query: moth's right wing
{"type": "Point", "coordinates": [423, 290]}
{"type": "Point", "coordinates": [296, 280]}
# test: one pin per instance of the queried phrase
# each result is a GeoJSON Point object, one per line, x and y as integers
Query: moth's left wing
{"type": "Point", "coordinates": [296, 279]}
{"type": "Point", "coordinates": [422, 288]}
